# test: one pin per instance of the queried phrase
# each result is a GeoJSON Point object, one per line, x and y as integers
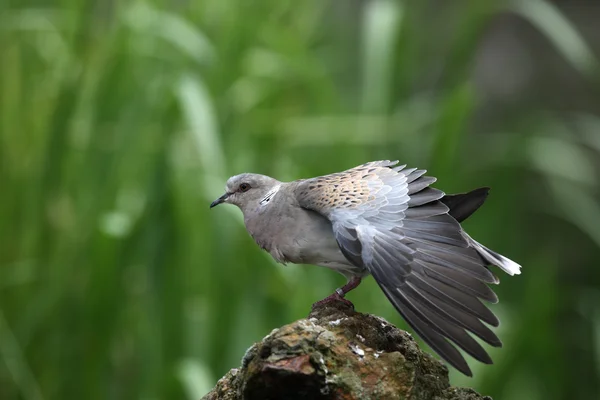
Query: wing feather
{"type": "Point", "coordinates": [425, 196]}
{"type": "Point", "coordinates": [458, 299]}
{"type": "Point", "coordinates": [389, 220]}
{"type": "Point", "coordinates": [444, 326]}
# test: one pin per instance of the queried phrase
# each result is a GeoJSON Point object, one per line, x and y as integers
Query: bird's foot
{"type": "Point", "coordinates": [339, 294]}
{"type": "Point", "coordinates": [333, 298]}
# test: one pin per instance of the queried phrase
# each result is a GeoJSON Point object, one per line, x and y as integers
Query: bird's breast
{"type": "Point", "coordinates": [300, 237]}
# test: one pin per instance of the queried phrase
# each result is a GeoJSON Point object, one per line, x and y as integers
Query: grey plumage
{"type": "Point", "coordinates": [387, 221]}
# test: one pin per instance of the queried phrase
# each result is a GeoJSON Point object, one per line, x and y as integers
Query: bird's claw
{"type": "Point", "coordinates": [332, 298]}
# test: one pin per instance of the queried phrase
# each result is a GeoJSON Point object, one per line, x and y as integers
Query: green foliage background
{"type": "Point", "coordinates": [121, 120]}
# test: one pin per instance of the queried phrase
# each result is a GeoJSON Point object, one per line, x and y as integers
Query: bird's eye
{"type": "Point", "coordinates": [244, 187]}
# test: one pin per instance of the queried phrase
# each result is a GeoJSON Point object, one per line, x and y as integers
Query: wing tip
{"type": "Point", "coordinates": [461, 367]}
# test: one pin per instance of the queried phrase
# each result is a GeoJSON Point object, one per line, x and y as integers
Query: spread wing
{"type": "Point", "coordinates": [390, 221]}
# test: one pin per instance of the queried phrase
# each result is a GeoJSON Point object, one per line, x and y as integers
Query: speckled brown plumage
{"type": "Point", "coordinates": [348, 189]}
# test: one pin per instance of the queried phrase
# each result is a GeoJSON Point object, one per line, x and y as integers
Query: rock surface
{"type": "Point", "coordinates": [337, 353]}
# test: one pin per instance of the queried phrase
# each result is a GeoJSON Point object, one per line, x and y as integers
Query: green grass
{"type": "Point", "coordinates": [120, 122]}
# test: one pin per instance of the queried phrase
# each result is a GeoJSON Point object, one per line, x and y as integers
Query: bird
{"type": "Point", "coordinates": [387, 221]}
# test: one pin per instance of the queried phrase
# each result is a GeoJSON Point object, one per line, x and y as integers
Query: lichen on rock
{"type": "Point", "coordinates": [337, 353]}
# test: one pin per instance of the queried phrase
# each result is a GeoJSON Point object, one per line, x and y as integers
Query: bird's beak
{"type": "Point", "coordinates": [219, 200]}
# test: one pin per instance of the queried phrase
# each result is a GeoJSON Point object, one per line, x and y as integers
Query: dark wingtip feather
{"type": "Point", "coordinates": [463, 205]}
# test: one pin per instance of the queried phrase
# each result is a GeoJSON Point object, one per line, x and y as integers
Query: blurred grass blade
{"type": "Point", "coordinates": [590, 125]}
{"type": "Point", "coordinates": [577, 206]}
{"type": "Point", "coordinates": [381, 25]}
{"type": "Point", "coordinates": [200, 115]}
{"type": "Point", "coordinates": [451, 125]}
{"type": "Point", "coordinates": [196, 378]}
{"type": "Point", "coordinates": [571, 175]}
{"type": "Point", "coordinates": [12, 354]}
{"type": "Point", "coordinates": [334, 130]}
{"type": "Point", "coordinates": [147, 20]}
{"type": "Point", "coordinates": [546, 17]}
{"type": "Point", "coordinates": [561, 158]}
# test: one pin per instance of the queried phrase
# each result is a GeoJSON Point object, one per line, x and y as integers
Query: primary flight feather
{"type": "Point", "coordinates": [385, 220]}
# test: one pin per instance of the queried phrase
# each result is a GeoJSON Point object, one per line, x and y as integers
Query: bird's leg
{"type": "Point", "coordinates": [340, 293]}
{"type": "Point", "coordinates": [351, 285]}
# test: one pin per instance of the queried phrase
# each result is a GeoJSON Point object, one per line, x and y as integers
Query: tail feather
{"type": "Point", "coordinates": [507, 265]}
{"type": "Point", "coordinates": [462, 205]}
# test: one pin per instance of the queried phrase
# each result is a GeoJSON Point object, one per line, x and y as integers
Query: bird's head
{"type": "Point", "coordinates": [247, 190]}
